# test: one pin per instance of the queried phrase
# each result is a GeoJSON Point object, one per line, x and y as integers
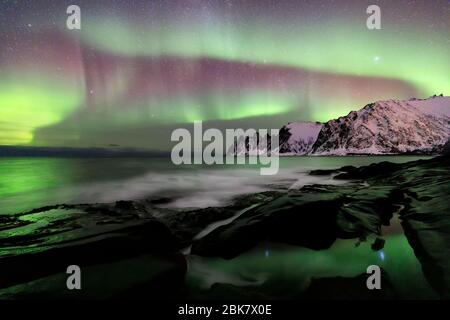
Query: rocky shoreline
{"type": "Point", "coordinates": [140, 244]}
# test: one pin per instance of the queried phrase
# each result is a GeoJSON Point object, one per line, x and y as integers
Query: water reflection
{"type": "Point", "coordinates": [289, 269]}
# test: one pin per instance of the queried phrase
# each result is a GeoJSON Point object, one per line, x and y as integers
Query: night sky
{"type": "Point", "coordinates": [138, 69]}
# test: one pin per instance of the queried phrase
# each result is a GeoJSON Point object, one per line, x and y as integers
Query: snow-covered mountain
{"type": "Point", "coordinates": [298, 138]}
{"type": "Point", "coordinates": [383, 127]}
{"type": "Point", "coordinates": [388, 127]}
{"type": "Point", "coordinates": [295, 138]}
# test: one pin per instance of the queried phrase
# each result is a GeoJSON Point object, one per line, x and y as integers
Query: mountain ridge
{"type": "Point", "coordinates": [388, 127]}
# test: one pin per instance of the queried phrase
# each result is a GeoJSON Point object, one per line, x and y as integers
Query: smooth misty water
{"type": "Point", "coordinates": [28, 183]}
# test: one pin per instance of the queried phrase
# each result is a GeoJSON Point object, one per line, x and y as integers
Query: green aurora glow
{"type": "Point", "coordinates": [63, 87]}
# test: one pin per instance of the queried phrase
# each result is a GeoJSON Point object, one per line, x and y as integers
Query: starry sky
{"type": "Point", "coordinates": [139, 69]}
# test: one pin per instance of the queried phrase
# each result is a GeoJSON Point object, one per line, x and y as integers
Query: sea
{"type": "Point", "coordinates": [28, 183]}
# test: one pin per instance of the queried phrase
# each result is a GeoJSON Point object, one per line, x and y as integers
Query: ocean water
{"type": "Point", "coordinates": [28, 183]}
{"type": "Point", "coordinates": [274, 269]}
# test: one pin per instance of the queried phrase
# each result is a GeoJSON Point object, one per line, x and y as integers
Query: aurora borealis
{"type": "Point", "coordinates": [138, 69]}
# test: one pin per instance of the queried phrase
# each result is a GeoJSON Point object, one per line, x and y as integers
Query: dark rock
{"type": "Point", "coordinates": [312, 217]}
{"type": "Point", "coordinates": [146, 276]}
{"type": "Point", "coordinates": [322, 172]}
{"type": "Point", "coordinates": [286, 219]}
{"type": "Point", "coordinates": [446, 149]}
{"type": "Point", "coordinates": [375, 169]}
{"type": "Point", "coordinates": [378, 244]}
{"type": "Point", "coordinates": [426, 220]}
{"type": "Point", "coordinates": [125, 205]}
{"type": "Point", "coordinates": [347, 168]}
{"type": "Point", "coordinates": [101, 246]}
{"type": "Point", "coordinates": [162, 200]}
{"type": "Point", "coordinates": [187, 224]}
